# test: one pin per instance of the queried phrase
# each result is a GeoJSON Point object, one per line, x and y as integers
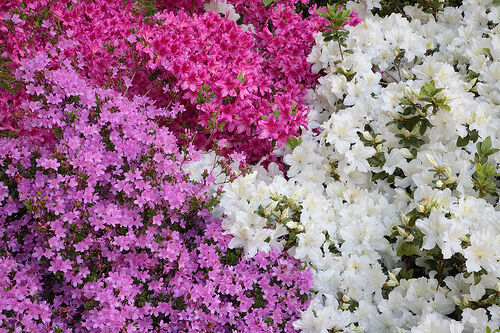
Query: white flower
{"type": "Point", "coordinates": [452, 238]}
{"type": "Point", "coordinates": [484, 251]}
{"type": "Point", "coordinates": [248, 232]}
{"type": "Point", "coordinates": [319, 318]}
{"type": "Point", "coordinates": [433, 227]}
{"type": "Point", "coordinates": [357, 156]}
{"type": "Point", "coordinates": [223, 8]}
{"type": "Point", "coordinates": [340, 130]}
{"type": "Point", "coordinates": [436, 323]}
{"type": "Point", "coordinates": [475, 319]}
{"type": "Point", "coordinates": [309, 322]}
{"type": "Point", "coordinates": [309, 245]}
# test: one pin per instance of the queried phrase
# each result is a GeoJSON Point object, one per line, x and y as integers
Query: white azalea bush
{"type": "Point", "coordinates": [392, 194]}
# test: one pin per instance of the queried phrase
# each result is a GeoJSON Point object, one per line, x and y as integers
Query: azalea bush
{"type": "Point", "coordinates": [391, 196]}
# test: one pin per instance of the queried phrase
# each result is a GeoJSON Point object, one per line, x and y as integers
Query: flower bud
{"type": "Point", "coordinates": [431, 160]}
{"type": "Point", "coordinates": [420, 208]}
{"type": "Point", "coordinates": [294, 197]}
{"type": "Point", "coordinates": [406, 75]}
{"type": "Point", "coordinates": [402, 232]}
{"type": "Point", "coordinates": [405, 220]}
{"type": "Point", "coordinates": [406, 153]}
{"type": "Point", "coordinates": [269, 208]}
{"type": "Point", "coordinates": [457, 300]}
{"type": "Point", "coordinates": [274, 195]}
{"type": "Point", "coordinates": [447, 171]}
{"type": "Point", "coordinates": [391, 283]}
{"type": "Point", "coordinates": [367, 136]}
{"type": "Point", "coordinates": [284, 214]}
{"type": "Point", "coordinates": [465, 239]}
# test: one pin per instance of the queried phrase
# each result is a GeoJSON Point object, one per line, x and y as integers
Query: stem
{"type": "Point", "coordinates": [208, 140]}
{"type": "Point", "coordinates": [149, 90]}
{"type": "Point", "coordinates": [391, 76]}
{"type": "Point", "coordinates": [440, 269]}
{"type": "Point", "coordinates": [401, 11]}
{"type": "Point", "coordinates": [131, 80]}
{"type": "Point", "coordinates": [340, 48]}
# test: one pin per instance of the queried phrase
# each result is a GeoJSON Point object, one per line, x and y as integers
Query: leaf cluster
{"type": "Point", "coordinates": [337, 17]}
{"type": "Point", "coordinates": [204, 95]}
{"type": "Point", "coordinates": [484, 177]}
{"type": "Point", "coordinates": [414, 117]}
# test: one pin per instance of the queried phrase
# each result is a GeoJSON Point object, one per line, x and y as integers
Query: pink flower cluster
{"type": "Point", "coordinates": [254, 82]}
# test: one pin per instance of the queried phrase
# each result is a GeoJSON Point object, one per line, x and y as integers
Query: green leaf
{"type": "Point", "coordinates": [293, 142]}
{"type": "Point", "coordinates": [241, 78]}
{"type": "Point", "coordinates": [406, 249]}
{"type": "Point", "coordinates": [485, 146]}
{"type": "Point", "coordinates": [153, 76]}
{"type": "Point", "coordinates": [406, 274]}
{"type": "Point", "coordinates": [479, 170]}
{"type": "Point", "coordinates": [405, 100]}
{"type": "Point", "coordinates": [411, 122]}
{"type": "Point", "coordinates": [474, 135]}
{"type": "Point", "coordinates": [422, 128]}
{"type": "Point", "coordinates": [276, 113]}
{"type": "Point", "coordinates": [496, 2]}
{"type": "Point", "coordinates": [487, 52]}
{"type": "Point", "coordinates": [462, 142]}
{"type": "Point", "coordinates": [320, 13]}
{"type": "Point", "coordinates": [267, 2]}
{"type": "Point", "coordinates": [409, 110]}
{"type": "Point", "coordinates": [379, 175]}
{"type": "Point", "coordinates": [477, 277]}
{"type": "Point", "coordinates": [493, 151]}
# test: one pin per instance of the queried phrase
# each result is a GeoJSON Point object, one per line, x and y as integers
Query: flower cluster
{"type": "Point", "coordinates": [244, 84]}
{"type": "Point", "coordinates": [106, 116]}
{"type": "Point", "coordinates": [392, 195]}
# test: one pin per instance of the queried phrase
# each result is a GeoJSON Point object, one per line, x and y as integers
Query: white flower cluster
{"type": "Point", "coordinates": [223, 8]}
{"type": "Point", "coordinates": [394, 204]}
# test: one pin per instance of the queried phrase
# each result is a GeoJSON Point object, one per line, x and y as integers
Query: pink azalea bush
{"type": "Point", "coordinates": [243, 87]}
{"type": "Point", "coordinates": [101, 110]}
